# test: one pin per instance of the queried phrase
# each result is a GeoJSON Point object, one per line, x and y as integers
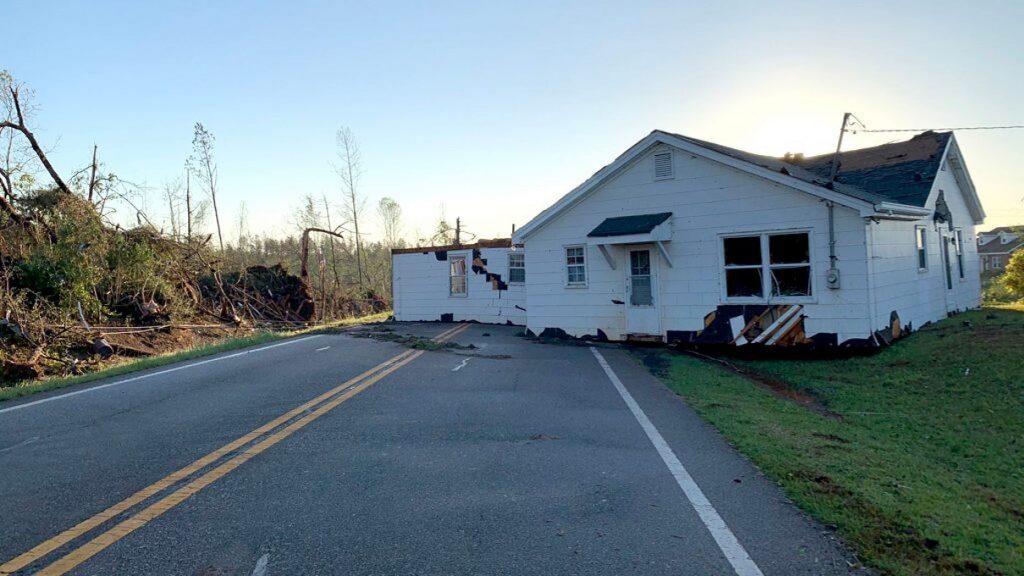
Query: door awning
{"type": "Point", "coordinates": [639, 229]}
{"type": "Point", "coordinates": [629, 225]}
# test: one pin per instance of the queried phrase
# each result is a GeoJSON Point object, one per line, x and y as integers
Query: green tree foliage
{"type": "Point", "coordinates": [1013, 276]}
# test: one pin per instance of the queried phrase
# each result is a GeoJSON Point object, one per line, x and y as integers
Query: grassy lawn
{"type": "Point", "coordinates": [922, 469]}
{"type": "Point", "coordinates": [128, 365]}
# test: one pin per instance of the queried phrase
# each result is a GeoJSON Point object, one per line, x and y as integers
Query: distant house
{"type": "Point", "coordinates": [682, 240]}
{"type": "Point", "coordinates": [997, 245]}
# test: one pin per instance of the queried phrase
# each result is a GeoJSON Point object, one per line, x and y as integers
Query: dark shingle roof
{"type": "Point", "coordinates": [998, 247]}
{"type": "Point", "coordinates": [900, 172]}
{"type": "Point", "coordinates": [625, 225]}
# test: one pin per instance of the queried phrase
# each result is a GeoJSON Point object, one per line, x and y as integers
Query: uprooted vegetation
{"type": "Point", "coordinates": [79, 287]}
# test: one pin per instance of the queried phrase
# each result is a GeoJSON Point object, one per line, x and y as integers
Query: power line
{"type": "Point", "coordinates": [938, 129]}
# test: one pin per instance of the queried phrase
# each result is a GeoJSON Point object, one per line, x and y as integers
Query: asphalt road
{"type": "Point", "coordinates": [511, 458]}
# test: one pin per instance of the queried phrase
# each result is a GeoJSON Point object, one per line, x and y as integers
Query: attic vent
{"type": "Point", "coordinates": [663, 166]}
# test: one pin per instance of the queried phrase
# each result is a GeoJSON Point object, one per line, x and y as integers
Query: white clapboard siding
{"type": "Point", "coordinates": [707, 199]}
{"type": "Point", "coordinates": [421, 289]}
{"type": "Point", "coordinates": [919, 296]}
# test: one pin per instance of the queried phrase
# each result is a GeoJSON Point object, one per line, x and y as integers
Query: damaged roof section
{"type": "Point", "coordinates": [901, 172]}
{"type": "Point", "coordinates": [487, 243]}
{"type": "Point", "coordinates": [627, 225]}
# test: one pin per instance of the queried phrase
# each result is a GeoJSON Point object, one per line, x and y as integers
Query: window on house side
{"type": "Point", "coordinates": [784, 259]}
{"type": "Point", "coordinates": [516, 267]}
{"type": "Point", "coordinates": [457, 266]}
{"type": "Point", "coordinates": [922, 247]}
{"type": "Point", "coordinates": [576, 265]}
{"type": "Point", "coordinates": [997, 262]}
{"type": "Point", "coordinates": [959, 239]}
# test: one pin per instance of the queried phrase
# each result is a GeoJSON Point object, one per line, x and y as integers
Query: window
{"type": "Point", "coordinates": [457, 266]}
{"type": "Point", "coordinates": [922, 247]}
{"type": "Point", "coordinates": [779, 264]}
{"type": "Point", "coordinates": [958, 238]}
{"type": "Point", "coordinates": [997, 263]}
{"type": "Point", "coordinates": [576, 265]}
{"type": "Point", "coordinates": [516, 268]}
{"type": "Point", "coordinates": [640, 278]}
{"type": "Point", "coordinates": [663, 166]}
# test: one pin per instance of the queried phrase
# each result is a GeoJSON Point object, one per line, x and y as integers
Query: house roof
{"type": "Point", "coordinates": [998, 247]}
{"type": "Point", "coordinates": [1010, 229]}
{"type": "Point", "coordinates": [891, 180]}
{"type": "Point", "coordinates": [626, 225]}
{"type": "Point", "coordinates": [901, 172]}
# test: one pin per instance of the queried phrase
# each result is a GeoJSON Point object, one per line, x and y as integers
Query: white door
{"type": "Point", "coordinates": [643, 314]}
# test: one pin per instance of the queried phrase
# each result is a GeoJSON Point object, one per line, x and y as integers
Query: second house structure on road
{"type": "Point", "coordinates": [681, 240]}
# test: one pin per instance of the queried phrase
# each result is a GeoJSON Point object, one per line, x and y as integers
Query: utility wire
{"type": "Point", "coordinates": [938, 129]}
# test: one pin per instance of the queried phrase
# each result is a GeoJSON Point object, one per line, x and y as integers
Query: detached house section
{"type": "Point", "coordinates": [681, 240]}
{"type": "Point", "coordinates": [482, 282]}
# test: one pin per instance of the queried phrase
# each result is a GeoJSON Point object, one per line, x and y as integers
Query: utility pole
{"type": "Point", "coordinates": [458, 231]}
{"type": "Point", "coordinates": [835, 158]}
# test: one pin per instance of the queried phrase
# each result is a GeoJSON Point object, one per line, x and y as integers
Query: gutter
{"type": "Point", "coordinates": [900, 211]}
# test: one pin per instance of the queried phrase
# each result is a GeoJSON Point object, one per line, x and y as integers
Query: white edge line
{"type": "Point", "coordinates": [151, 374]}
{"type": "Point", "coordinates": [726, 540]}
{"type": "Point", "coordinates": [322, 349]}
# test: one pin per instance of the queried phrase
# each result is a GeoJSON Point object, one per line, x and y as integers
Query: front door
{"type": "Point", "coordinates": [642, 306]}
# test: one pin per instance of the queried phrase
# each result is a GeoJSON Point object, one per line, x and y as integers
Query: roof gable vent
{"type": "Point", "coordinates": [663, 166]}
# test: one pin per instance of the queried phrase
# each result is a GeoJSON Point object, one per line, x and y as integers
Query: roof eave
{"type": "Point", "coordinates": [895, 211]}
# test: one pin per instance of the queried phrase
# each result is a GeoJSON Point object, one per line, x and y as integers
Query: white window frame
{"type": "Point", "coordinates": [522, 266]}
{"type": "Point", "coordinates": [997, 262]}
{"type": "Point", "coordinates": [766, 267]}
{"type": "Point", "coordinates": [566, 266]}
{"type": "Point", "coordinates": [921, 245]}
{"type": "Point", "coordinates": [452, 276]}
{"type": "Point", "coordinates": [671, 165]}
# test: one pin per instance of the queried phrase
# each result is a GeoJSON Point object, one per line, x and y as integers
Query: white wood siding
{"type": "Point", "coordinates": [707, 199]}
{"type": "Point", "coordinates": [421, 289]}
{"type": "Point", "coordinates": [920, 297]}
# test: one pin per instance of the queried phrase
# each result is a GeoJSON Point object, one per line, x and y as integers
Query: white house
{"type": "Point", "coordinates": [681, 240]}
{"type": "Point", "coordinates": [482, 282]}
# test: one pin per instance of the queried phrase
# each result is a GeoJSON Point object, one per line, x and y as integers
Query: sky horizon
{"type": "Point", "coordinates": [492, 114]}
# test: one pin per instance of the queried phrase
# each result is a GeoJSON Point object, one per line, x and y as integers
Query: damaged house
{"type": "Point", "coordinates": [681, 240]}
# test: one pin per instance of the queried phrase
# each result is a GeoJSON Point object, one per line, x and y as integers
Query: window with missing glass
{"type": "Point", "coordinates": [516, 267]}
{"type": "Point", "coordinates": [457, 266]}
{"type": "Point", "coordinates": [776, 264]}
{"type": "Point", "coordinates": [575, 265]}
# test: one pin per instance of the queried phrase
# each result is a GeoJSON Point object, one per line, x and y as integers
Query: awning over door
{"type": "Point", "coordinates": [628, 226]}
{"type": "Point", "coordinates": [638, 229]}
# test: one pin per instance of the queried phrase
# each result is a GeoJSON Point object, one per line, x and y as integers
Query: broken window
{"type": "Point", "coordinates": [576, 265]}
{"type": "Point", "coordinates": [779, 264]}
{"type": "Point", "coordinates": [922, 247]}
{"type": "Point", "coordinates": [790, 262]}
{"type": "Point", "coordinates": [457, 266]}
{"type": "Point", "coordinates": [743, 275]}
{"type": "Point", "coordinates": [516, 267]}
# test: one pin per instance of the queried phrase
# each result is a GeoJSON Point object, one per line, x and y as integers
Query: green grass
{"type": "Point", "coordinates": [134, 365]}
{"type": "Point", "coordinates": [923, 470]}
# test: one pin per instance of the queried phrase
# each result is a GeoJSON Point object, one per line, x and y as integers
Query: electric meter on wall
{"type": "Point", "coordinates": [832, 278]}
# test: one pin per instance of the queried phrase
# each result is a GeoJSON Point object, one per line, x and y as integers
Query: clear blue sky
{"type": "Point", "coordinates": [495, 110]}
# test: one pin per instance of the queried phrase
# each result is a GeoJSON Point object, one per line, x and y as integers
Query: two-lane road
{"type": "Point", "coordinates": [334, 454]}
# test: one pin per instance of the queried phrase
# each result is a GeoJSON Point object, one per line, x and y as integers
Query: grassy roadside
{"type": "Point", "coordinates": [922, 470]}
{"type": "Point", "coordinates": [130, 365]}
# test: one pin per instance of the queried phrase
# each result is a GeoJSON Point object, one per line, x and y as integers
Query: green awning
{"type": "Point", "coordinates": [628, 225]}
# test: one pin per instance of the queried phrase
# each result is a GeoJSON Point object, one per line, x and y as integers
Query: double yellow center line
{"type": "Point", "coordinates": [309, 412]}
